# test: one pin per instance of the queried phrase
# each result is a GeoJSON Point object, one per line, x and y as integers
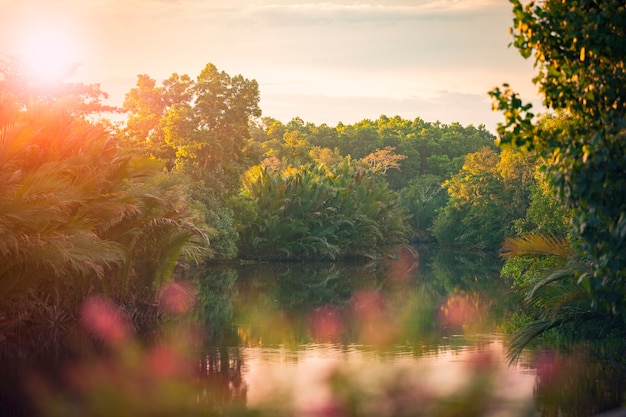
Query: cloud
{"type": "Point", "coordinates": [323, 61]}
{"type": "Point", "coordinates": [312, 13]}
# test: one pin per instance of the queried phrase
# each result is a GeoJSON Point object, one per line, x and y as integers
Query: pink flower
{"type": "Point", "coordinates": [326, 323]}
{"type": "Point", "coordinates": [104, 319]}
{"type": "Point", "coordinates": [177, 297]}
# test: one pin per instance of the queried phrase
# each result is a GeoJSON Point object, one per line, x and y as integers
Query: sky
{"type": "Point", "coordinates": [325, 62]}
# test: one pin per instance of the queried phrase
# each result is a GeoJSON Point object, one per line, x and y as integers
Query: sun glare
{"type": "Point", "coordinates": [48, 52]}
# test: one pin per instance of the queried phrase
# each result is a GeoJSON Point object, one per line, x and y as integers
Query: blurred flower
{"type": "Point", "coordinates": [177, 297]}
{"type": "Point", "coordinates": [372, 317]}
{"type": "Point", "coordinates": [166, 362]}
{"type": "Point", "coordinates": [326, 323]}
{"type": "Point", "coordinates": [105, 320]}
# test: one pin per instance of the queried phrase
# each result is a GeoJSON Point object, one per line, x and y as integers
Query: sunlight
{"type": "Point", "coordinates": [48, 51]}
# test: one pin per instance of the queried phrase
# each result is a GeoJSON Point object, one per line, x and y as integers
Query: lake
{"type": "Point", "coordinates": [403, 337]}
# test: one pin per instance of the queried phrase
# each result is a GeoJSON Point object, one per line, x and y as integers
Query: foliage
{"type": "Point", "coordinates": [423, 197]}
{"type": "Point", "coordinates": [422, 154]}
{"type": "Point", "coordinates": [384, 159]}
{"type": "Point", "coordinates": [163, 232]}
{"type": "Point", "coordinates": [199, 128]}
{"type": "Point", "coordinates": [486, 196]}
{"type": "Point", "coordinates": [546, 214]}
{"type": "Point", "coordinates": [77, 216]}
{"type": "Point", "coordinates": [146, 106]}
{"type": "Point", "coordinates": [545, 272]}
{"type": "Point", "coordinates": [199, 125]}
{"type": "Point", "coordinates": [577, 46]}
{"type": "Point", "coordinates": [315, 212]}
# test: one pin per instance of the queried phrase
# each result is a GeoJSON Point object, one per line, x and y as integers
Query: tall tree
{"type": "Point", "coordinates": [209, 133]}
{"type": "Point", "coordinates": [200, 126]}
{"type": "Point", "coordinates": [146, 105]}
{"type": "Point", "coordinates": [486, 196]}
{"type": "Point", "coordinates": [578, 50]}
{"type": "Point", "coordinates": [201, 129]}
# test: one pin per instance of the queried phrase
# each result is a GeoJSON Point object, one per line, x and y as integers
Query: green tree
{"type": "Point", "coordinates": [146, 106]}
{"type": "Point", "coordinates": [209, 131]}
{"type": "Point", "coordinates": [413, 156]}
{"type": "Point", "coordinates": [423, 198]}
{"type": "Point", "coordinates": [578, 50]}
{"type": "Point", "coordinates": [200, 128]}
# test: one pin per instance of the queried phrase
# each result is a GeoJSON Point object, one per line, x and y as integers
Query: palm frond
{"type": "Point", "coordinates": [533, 245]}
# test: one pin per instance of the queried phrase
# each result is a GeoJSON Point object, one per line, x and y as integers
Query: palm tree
{"type": "Point", "coordinates": [77, 215]}
{"type": "Point", "coordinates": [550, 289]}
{"type": "Point", "coordinates": [317, 212]}
{"type": "Point", "coordinates": [49, 169]}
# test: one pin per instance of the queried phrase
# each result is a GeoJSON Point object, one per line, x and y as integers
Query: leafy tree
{"type": "Point", "coordinates": [200, 128]}
{"type": "Point", "coordinates": [423, 155]}
{"type": "Point", "coordinates": [423, 198]}
{"type": "Point", "coordinates": [381, 160]}
{"type": "Point", "coordinates": [209, 131]}
{"type": "Point", "coordinates": [578, 50]}
{"type": "Point", "coordinates": [470, 217]}
{"type": "Point", "coordinates": [326, 156]}
{"type": "Point", "coordinates": [147, 105]}
{"type": "Point", "coordinates": [546, 214]}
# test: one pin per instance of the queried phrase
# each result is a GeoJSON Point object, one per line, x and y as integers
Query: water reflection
{"type": "Point", "coordinates": [317, 378]}
{"type": "Point", "coordinates": [388, 339]}
{"type": "Point", "coordinates": [303, 330]}
{"type": "Point", "coordinates": [378, 304]}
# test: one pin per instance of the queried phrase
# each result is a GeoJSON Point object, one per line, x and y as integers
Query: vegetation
{"type": "Point", "coordinates": [101, 221]}
{"type": "Point", "coordinates": [198, 128]}
{"type": "Point", "coordinates": [320, 212]}
{"type": "Point", "coordinates": [487, 195]}
{"type": "Point", "coordinates": [581, 77]}
{"type": "Point", "coordinates": [78, 214]}
{"type": "Point", "coordinates": [413, 157]}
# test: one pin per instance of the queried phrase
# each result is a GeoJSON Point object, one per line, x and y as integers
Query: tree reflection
{"type": "Point", "coordinates": [220, 362]}
{"type": "Point", "coordinates": [576, 383]}
{"type": "Point", "coordinates": [209, 360]}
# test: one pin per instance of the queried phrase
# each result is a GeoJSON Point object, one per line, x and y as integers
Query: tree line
{"type": "Point", "coordinates": [195, 175]}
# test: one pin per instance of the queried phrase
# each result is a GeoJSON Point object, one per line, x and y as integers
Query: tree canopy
{"type": "Point", "coordinates": [578, 48]}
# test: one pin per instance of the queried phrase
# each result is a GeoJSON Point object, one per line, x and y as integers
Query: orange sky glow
{"type": "Point", "coordinates": [325, 62]}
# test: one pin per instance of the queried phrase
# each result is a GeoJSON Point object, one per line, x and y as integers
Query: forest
{"type": "Point", "coordinates": [196, 177]}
